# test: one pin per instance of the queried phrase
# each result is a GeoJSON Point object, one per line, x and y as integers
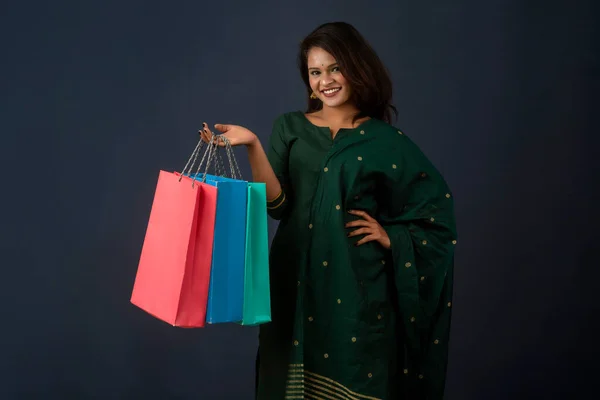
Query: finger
{"type": "Point", "coordinates": [366, 239]}
{"type": "Point", "coordinates": [206, 133]}
{"type": "Point", "coordinates": [203, 135]}
{"type": "Point", "coordinates": [361, 231]}
{"type": "Point", "coordinates": [362, 214]}
{"type": "Point", "coordinates": [222, 128]}
{"type": "Point", "coordinates": [207, 129]}
{"type": "Point", "coordinates": [207, 136]}
{"type": "Point", "coordinates": [358, 222]}
{"type": "Point", "coordinates": [210, 138]}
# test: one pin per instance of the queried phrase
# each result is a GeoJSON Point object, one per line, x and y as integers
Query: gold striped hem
{"type": "Point", "coordinates": [323, 395]}
{"type": "Point", "coordinates": [318, 387]}
{"type": "Point", "coordinates": [322, 391]}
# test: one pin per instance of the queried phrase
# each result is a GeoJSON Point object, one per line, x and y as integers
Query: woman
{"type": "Point", "coordinates": [362, 260]}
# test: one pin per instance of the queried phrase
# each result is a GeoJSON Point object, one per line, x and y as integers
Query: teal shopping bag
{"type": "Point", "coordinates": [257, 296]}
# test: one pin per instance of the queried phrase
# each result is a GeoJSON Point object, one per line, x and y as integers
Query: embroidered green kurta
{"type": "Point", "coordinates": [356, 322]}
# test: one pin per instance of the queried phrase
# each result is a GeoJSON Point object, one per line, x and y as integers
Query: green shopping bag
{"type": "Point", "coordinates": [257, 297]}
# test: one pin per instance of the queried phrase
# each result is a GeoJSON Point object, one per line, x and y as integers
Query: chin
{"type": "Point", "coordinates": [335, 103]}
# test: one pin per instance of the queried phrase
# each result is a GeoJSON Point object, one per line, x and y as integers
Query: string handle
{"type": "Point", "coordinates": [233, 165]}
{"type": "Point", "coordinates": [208, 152]}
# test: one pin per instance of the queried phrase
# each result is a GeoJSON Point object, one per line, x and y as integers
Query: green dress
{"type": "Point", "coordinates": [356, 322]}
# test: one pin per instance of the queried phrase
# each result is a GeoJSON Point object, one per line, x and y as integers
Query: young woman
{"type": "Point", "coordinates": [362, 260]}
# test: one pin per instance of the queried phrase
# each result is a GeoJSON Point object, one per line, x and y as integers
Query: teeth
{"type": "Point", "coordinates": [330, 91]}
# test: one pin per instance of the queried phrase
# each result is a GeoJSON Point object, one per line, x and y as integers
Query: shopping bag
{"type": "Point", "coordinates": [173, 273]}
{"type": "Point", "coordinates": [256, 308]}
{"type": "Point", "coordinates": [257, 298]}
{"type": "Point", "coordinates": [226, 290]}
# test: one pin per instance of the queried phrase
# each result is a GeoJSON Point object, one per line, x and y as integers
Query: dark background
{"type": "Point", "coordinates": [96, 97]}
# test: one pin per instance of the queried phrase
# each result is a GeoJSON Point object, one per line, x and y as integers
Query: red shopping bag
{"type": "Point", "coordinates": [173, 273]}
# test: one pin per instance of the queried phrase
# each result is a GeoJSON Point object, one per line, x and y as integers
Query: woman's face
{"type": "Point", "coordinates": [325, 78]}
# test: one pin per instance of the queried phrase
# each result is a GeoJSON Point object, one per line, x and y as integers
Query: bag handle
{"type": "Point", "coordinates": [194, 155]}
{"type": "Point", "coordinates": [219, 168]}
{"type": "Point", "coordinates": [233, 165]}
{"type": "Point", "coordinates": [209, 151]}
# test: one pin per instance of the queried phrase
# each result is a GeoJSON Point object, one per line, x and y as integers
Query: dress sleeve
{"type": "Point", "coordinates": [278, 156]}
{"type": "Point", "coordinates": [418, 216]}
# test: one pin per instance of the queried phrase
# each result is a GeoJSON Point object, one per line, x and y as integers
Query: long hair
{"type": "Point", "coordinates": [360, 65]}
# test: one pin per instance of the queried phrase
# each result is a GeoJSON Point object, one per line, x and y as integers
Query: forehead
{"type": "Point", "coordinates": [318, 57]}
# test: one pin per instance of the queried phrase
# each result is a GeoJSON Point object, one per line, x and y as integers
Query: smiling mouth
{"type": "Point", "coordinates": [331, 91]}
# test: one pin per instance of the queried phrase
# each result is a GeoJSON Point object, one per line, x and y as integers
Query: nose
{"type": "Point", "coordinates": [326, 80]}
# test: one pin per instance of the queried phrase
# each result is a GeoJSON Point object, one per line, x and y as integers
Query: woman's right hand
{"type": "Point", "coordinates": [237, 135]}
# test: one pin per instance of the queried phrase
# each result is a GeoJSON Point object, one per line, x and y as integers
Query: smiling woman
{"type": "Point", "coordinates": [364, 83]}
{"type": "Point", "coordinates": [362, 260]}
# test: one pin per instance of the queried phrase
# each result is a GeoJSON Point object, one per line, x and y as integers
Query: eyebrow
{"type": "Point", "coordinates": [329, 66]}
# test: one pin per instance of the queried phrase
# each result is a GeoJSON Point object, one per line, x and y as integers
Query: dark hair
{"type": "Point", "coordinates": [360, 65]}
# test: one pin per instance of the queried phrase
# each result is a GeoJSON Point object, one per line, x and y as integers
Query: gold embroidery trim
{"type": "Point", "coordinates": [319, 387]}
{"type": "Point", "coordinates": [322, 392]}
{"type": "Point", "coordinates": [280, 203]}
{"type": "Point", "coordinates": [323, 395]}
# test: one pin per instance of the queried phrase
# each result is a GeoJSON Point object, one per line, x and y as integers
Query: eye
{"type": "Point", "coordinates": [335, 69]}
{"type": "Point", "coordinates": [314, 73]}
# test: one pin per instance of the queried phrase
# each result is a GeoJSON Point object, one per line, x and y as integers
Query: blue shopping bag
{"type": "Point", "coordinates": [226, 288]}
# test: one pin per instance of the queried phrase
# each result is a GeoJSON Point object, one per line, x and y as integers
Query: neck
{"type": "Point", "coordinates": [342, 114]}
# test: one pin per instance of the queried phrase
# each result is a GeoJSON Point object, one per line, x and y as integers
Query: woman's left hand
{"type": "Point", "coordinates": [370, 227]}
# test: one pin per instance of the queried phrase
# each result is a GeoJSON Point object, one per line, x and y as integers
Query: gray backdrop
{"type": "Point", "coordinates": [96, 97]}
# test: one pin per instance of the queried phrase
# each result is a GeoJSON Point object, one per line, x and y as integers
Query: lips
{"type": "Point", "coordinates": [331, 91]}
